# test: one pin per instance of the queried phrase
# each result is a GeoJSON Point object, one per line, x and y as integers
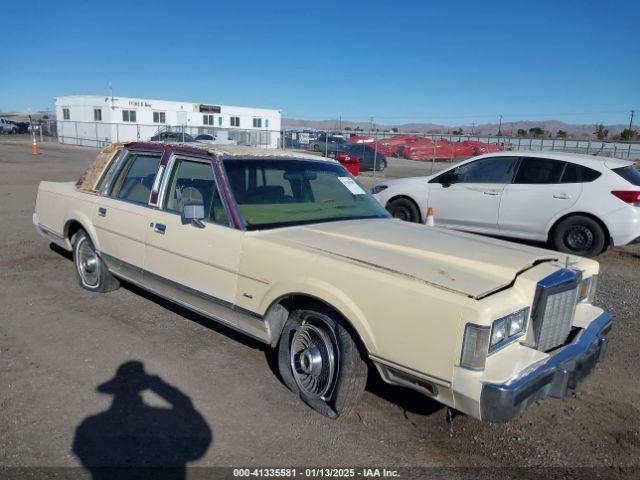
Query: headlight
{"type": "Point", "coordinates": [498, 332]}
{"type": "Point", "coordinates": [506, 329]}
{"type": "Point", "coordinates": [378, 188]}
{"type": "Point", "coordinates": [587, 289]}
{"type": "Point", "coordinates": [480, 340]}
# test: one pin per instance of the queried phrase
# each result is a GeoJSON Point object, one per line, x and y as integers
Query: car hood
{"type": "Point", "coordinates": [468, 264]}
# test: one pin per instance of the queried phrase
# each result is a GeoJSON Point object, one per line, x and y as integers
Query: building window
{"type": "Point", "coordinates": [97, 114]}
{"type": "Point", "coordinates": [235, 121]}
{"type": "Point", "coordinates": [159, 117]}
{"type": "Point", "coordinates": [128, 115]}
{"type": "Point", "coordinates": [65, 114]}
{"type": "Point", "coordinates": [257, 123]}
{"type": "Point", "coordinates": [207, 120]}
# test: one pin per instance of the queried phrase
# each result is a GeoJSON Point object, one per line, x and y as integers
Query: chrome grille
{"type": "Point", "coordinates": [554, 308]}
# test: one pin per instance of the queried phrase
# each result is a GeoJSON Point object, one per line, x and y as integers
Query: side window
{"type": "Point", "coordinates": [192, 182]}
{"type": "Point", "coordinates": [574, 173]}
{"type": "Point", "coordinates": [534, 170]}
{"type": "Point", "coordinates": [487, 170]}
{"type": "Point", "coordinates": [136, 179]}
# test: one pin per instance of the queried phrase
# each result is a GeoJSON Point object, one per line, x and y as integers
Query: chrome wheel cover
{"type": "Point", "coordinates": [87, 263]}
{"type": "Point", "coordinates": [313, 360]}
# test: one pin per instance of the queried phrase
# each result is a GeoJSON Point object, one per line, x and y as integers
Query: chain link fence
{"type": "Point", "coordinates": [405, 153]}
{"type": "Point", "coordinates": [429, 152]}
{"type": "Point", "coordinates": [100, 134]}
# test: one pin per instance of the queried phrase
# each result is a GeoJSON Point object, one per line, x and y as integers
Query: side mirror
{"type": "Point", "coordinates": [448, 179]}
{"type": "Point", "coordinates": [193, 214]}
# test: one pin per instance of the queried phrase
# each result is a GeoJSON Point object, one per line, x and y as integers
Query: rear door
{"type": "Point", "coordinates": [472, 200]}
{"type": "Point", "coordinates": [120, 216]}
{"type": "Point", "coordinates": [542, 190]}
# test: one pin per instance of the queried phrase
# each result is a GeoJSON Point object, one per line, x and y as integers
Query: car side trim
{"type": "Point", "coordinates": [222, 311]}
{"type": "Point", "coordinates": [412, 371]}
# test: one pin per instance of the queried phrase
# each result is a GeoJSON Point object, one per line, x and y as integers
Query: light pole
{"type": "Point", "coordinates": [631, 124]}
{"type": "Point", "coordinates": [500, 126]}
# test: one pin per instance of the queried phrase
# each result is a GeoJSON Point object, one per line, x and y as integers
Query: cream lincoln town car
{"type": "Point", "coordinates": [291, 250]}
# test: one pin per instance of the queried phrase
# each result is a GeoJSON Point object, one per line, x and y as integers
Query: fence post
{"type": "Point", "coordinates": [375, 154]}
{"type": "Point", "coordinates": [588, 147]}
{"type": "Point", "coordinates": [75, 129]}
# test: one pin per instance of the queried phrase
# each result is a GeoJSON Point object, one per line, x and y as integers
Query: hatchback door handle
{"type": "Point", "coordinates": [102, 212]}
{"type": "Point", "coordinates": [562, 196]}
{"type": "Point", "coordinates": [491, 192]}
{"type": "Point", "coordinates": [159, 228]}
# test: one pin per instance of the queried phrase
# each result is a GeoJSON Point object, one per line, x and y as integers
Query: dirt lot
{"type": "Point", "coordinates": [58, 343]}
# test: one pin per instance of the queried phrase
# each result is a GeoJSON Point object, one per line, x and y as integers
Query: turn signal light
{"type": "Point", "coordinates": [632, 197]}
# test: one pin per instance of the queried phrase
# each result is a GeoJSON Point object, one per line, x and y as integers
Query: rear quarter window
{"type": "Point", "coordinates": [630, 174]}
{"type": "Point", "coordinates": [574, 173]}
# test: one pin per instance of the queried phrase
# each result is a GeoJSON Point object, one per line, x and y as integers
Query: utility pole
{"type": "Point", "coordinates": [371, 127]}
{"type": "Point", "coordinates": [631, 124]}
{"type": "Point", "coordinates": [341, 123]}
{"type": "Point", "coordinates": [500, 126]}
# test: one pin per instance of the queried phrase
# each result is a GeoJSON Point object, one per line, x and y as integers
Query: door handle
{"type": "Point", "coordinates": [102, 212]}
{"type": "Point", "coordinates": [562, 196]}
{"type": "Point", "coordinates": [491, 192]}
{"type": "Point", "coordinates": [159, 228]}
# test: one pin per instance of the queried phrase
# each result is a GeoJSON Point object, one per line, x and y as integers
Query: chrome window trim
{"type": "Point", "coordinates": [168, 171]}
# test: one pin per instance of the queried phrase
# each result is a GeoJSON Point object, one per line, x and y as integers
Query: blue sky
{"type": "Point", "coordinates": [445, 62]}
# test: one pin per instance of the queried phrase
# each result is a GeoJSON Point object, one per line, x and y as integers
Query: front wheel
{"type": "Point", "coordinates": [579, 235]}
{"type": "Point", "coordinates": [91, 272]}
{"type": "Point", "coordinates": [320, 361]}
{"type": "Point", "coordinates": [404, 209]}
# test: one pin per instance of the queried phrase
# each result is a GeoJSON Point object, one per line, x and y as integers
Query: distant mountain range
{"type": "Point", "coordinates": [508, 128]}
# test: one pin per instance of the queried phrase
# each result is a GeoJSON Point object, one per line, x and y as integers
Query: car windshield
{"type": "Point", "coordinates": [278, 193]}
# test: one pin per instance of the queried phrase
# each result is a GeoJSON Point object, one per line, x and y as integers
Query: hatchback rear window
{"type": "Point", "coordinates": [630, 174]}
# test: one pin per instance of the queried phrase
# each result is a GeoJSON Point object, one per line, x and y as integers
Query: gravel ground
{"type": "Point", "coordinates": [58, 343]}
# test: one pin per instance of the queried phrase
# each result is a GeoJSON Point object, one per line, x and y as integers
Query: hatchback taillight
{"type": "Point", "coordinates": [632, 197]}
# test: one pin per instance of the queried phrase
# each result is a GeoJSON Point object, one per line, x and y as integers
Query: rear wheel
{"type": "Point", "coordinates": [579, 235]}
{"type": "Point", "coordinates": [320, 361]}
{"type": "Point", "coordinates": [91, 272]}
{"type": "Point", "coordinates": [404, 209]}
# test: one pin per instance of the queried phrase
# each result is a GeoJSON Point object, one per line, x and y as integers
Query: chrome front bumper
{"type": "Point", "coordinates": [565, 369]}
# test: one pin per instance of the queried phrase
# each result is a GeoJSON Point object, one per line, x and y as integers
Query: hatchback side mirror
{"type": "Point", "coordinates": [448, 179]}
{"type": "Point", "coordinates": [193, 213]}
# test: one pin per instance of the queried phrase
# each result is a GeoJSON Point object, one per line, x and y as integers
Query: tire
{"type": "Point", "coordinates": [91, 272]}
{"type": "Point", "coordinates": [316, 340]}
{"type": "Point", "coordinates": [579, 235]}
{"type": "Point", "coordinates": [404, 209]}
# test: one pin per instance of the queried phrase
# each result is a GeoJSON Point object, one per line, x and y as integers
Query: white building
{"type": "Point", "coordinates": [98, 120]}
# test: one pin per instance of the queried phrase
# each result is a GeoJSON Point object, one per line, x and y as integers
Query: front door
{"type": "Point", "coordinates": [120, 217]}
{"type": "Point", "coordinates": [194, 265]}
{"type": "Point", "coordinates": [470, 200]}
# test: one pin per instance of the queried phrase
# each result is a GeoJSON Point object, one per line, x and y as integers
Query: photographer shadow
{"type": "Point", "coordinates": [135, 440]}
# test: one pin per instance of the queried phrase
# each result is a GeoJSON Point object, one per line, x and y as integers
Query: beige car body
{"type": "Point", "coordinates": [407, 290]}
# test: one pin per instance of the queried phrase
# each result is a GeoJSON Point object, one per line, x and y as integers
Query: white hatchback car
{"type": "Point", "coordinates": [580, 204]}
